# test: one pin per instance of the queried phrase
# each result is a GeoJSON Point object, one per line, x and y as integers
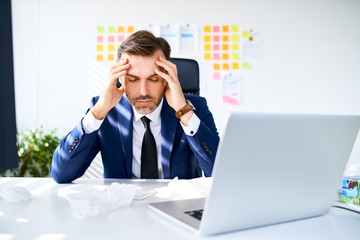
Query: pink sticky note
{"type": "Point", "coordinates": [234, 101]}
{"type": "Point", "coordinates": [121, 38]}
{"type": "Point", "coordinates": [216, 38]}
{"type": "Point", "coordinates": [226, 98]}
{"type": "Point", "coordinates": [217, 76]}
{"type": "Point", "coordinates": [216, 47]}
{"type": "Point", "coordinates": [216, 28]}
{"type": "Point", "coordinates": [216, 56]}
{"type": "Point", "coordinates": [100, 39]}
{"type": "Point", "coordinates": [111, 38]}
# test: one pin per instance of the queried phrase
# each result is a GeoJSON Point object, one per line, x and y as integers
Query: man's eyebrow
{"type": "Point", "coordinates": [130, 75]}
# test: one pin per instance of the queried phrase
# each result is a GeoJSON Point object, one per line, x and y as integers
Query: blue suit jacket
{"type": "Point", "coordinates": [182, 155]}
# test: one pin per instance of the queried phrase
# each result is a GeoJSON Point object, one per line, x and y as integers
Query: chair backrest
{"type": "Point", "coordinates": [188, 74]}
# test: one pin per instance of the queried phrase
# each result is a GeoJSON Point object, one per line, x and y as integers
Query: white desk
{"type": "Point", "coordinates": [48, 216]}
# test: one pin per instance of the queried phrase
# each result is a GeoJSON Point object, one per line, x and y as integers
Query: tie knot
{"type": "Point", "coordinates": [146, 122]}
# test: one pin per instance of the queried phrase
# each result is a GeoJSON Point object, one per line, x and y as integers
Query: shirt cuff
{"type": "Point", "coordinates": [90, 123]}
{"type": "Point", "coordinates": [193, 125]}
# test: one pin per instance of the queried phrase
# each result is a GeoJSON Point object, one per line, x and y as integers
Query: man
{"type": "Point", "coordinates": [178, 145]}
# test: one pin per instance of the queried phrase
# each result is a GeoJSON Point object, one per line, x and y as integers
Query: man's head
{"type": "Point", "coordinates": [143, 87]}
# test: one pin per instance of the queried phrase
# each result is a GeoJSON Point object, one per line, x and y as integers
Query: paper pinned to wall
{"type": "Point", "coordinates": [189, 38]}
{"type": "Point", "coordinates": [252, 45]}
{"type": "Point", "coordinates": [232, 88]}
{"type": "Point", "coordinates": [172, 34]}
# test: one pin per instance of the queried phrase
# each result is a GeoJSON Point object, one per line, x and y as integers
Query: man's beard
{"type": "Point", "coordinates": [145, 110]}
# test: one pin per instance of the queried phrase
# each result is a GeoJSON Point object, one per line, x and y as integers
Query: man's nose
{"type": "Point", "coordinates": [144, 88]}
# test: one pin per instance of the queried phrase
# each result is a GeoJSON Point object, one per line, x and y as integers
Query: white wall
{"type": "Point", "coordinates": [310, 54]}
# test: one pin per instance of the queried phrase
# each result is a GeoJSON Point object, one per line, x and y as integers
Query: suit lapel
{"type": "Point", "coordinates": [125, 124]}
{"type": "Point", "coordinates": [169, 124]}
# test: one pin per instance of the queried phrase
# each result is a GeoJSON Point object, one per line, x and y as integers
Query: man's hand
{"type": "Point", "coordinates": [111, 95]}
{"type": "Point", "coordinates": [173, 92]}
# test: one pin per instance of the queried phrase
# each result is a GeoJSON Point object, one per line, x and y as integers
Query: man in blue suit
{"type": "Point", "coordinates": [181, 138]}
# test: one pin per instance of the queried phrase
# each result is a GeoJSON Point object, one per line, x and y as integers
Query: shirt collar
{"type": "Point", "coordinates": [154, 116]}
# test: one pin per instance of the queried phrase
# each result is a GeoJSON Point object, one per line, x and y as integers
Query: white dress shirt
{"type": "Point", "coordinates": [91, 124]}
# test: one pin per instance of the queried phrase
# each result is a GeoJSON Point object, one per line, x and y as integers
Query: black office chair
{"type": "Point", "coordinates": [188, 74]}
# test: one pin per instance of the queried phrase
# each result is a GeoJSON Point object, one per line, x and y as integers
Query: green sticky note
{"type": "Point", "coordinates": [245, 34]}
{"type": "Point", "coordinates": [235, 28]}
{"type": "Point", "coordinates": [245, 65]}
{"type": "Point", "coordinates": [235, 38]}
{"type": "Point", "coordinates": [100, 29]}
{"type": "Point", "coordinates": [112, 29]}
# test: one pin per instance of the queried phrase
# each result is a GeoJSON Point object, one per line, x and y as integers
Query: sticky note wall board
{"type": "Point", "coordinates": [226, 48]}
{"type": "Point", "coordinates": [108, 40]}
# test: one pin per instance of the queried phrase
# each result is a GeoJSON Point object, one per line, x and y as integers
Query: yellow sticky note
{"type": "Point", "coordinates": [226, 66]}
{"type": "Point", "coordinates": [235, 65]}
{"type": "Point", "coordinates": [216, 66]}
{"type": "Point", "coordinates": [130, 29]}
{"type": "Point", "coordinates": [207, 29]}
{"type": "Point", "coordinates": [225, 47]}
{"type": "Point", "coordinates": [235, 56]}
{"type": "Point", "coordinates": [235, 46]}
{"type": "Point", "coordinates": [111, 57]}
{"type": "Point", "coordinates": [111, 29]}
{"type": "Point", "coordinates": [207, 38]}
{"type": "Point", "coordinates": [225, 28]}
{"type": "Point", "coordinates": [121, 29]}
{"type": "Point", "coordinates": [245, 34]}
{"type": "Point", "coordinates": [207, 56]}
{"type": "Point", "coordinates": [235, 28]}
{"type": "Point", "coordinates": [111, 47]}
{"type": "Point", "coordinates": [99, 58]}
{"type": "Point", "coordinates": [225, 56]}
{"type": "Point", "coordinates": [100, 29]}
{"type": "Point", "coordinates": [99, 47]}
{"type": "Point", "coordinates": [207, 47]}
{"type": "Point", "coordinates": [245, 65]}
{"type": "Point", "coordinates": [225, 38]}
{"type": "Point", "coordinates": [235, 38]}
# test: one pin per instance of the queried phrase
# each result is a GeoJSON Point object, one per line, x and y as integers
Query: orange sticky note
{"type": "Point", "coordinates": [216, 66]}
{"type": "Point", "coordinates": [130, 29]}
{"type": "Point", "coordinates": [207, 47]}
{"type": "Point", "coordinates": [121, 29]}
{"type": "Point", "coordinates": [207, 29]}
{"type": "Point", "coordinates": [225, 38]}
{"type": "Point", "coordinates": [111, 47]}
{"type": "Point", "coordinates": [225, 56]}
{"type": "Point", "coordinates": [235, 65]}
{"type": "Point", "coordinates": [99, 47]}
{"type": "Point", "coordinates": [207, 56]}
{"type": "Point", "coordinates": [226, 66]}
{"type": "Point", "coordinates": [111, 57]}
{"type": "Point", "coordinates": [99, 58]}
{"type": "Point", "coordinates": [225, 28]}
{"type": "Point", "coordinates": [207, 38]}
{"type": "Point", "coordinates": [225, 47]}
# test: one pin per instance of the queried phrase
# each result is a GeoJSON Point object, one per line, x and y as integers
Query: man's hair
{"type": "Point", "coordinates": [143, 43]}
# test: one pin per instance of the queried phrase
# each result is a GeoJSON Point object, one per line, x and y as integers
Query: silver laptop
{"type": "Point", "coordinates": [270, 168]}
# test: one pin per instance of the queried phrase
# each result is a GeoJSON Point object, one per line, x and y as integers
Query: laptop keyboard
{"type": "Point", "coordinates": [195, 213]}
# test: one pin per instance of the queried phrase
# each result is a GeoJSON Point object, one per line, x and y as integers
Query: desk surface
{"type": "Point", "coordinates": [48, 216]}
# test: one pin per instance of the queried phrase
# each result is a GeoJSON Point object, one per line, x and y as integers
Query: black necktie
{"type": "Point", "coordinates": [149, 165]}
